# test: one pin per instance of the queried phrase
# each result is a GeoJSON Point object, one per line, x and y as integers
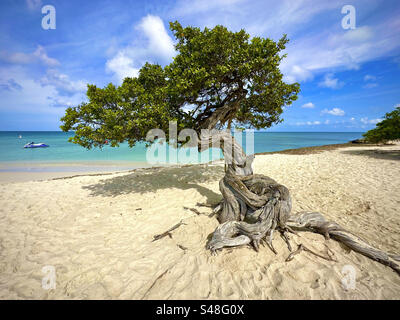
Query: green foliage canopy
{"type": "Point", "coordinates": [218, 78]}
{"type": "Point", "coordinates": [387, 129]}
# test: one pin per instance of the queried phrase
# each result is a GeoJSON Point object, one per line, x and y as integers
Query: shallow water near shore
{"type": "Point", "coordinates": [65, 156]}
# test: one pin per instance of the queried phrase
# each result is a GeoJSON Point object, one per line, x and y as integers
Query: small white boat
{"type": "Point", "coordinates": [36, 145]}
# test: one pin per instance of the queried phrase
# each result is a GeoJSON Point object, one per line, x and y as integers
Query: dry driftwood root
{"type": "Point", "coordinates": [193, 210]}
{"type": "Point", "coordinates": [168, 232]}
{"type": "Point", "coordinates": [315, 222]}
{"type": "Point", "coordinates": [255, 206]}
{"type": "Point", "coordinates": [302, 247]}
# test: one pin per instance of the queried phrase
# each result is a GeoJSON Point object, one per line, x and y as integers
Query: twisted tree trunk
{"type": "Point", "coordinates": [255, 206]}
{"type": "Point", "coordinates": [238, 165]}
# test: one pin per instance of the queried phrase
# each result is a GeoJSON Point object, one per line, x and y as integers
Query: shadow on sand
{"type": "Point", "coordinates": [153, 179]}
{"type": "Point", "coordinates": [376, 153]}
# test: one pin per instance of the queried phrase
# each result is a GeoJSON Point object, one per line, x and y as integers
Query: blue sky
{"type": "Point", "coordinates": [349, 77]}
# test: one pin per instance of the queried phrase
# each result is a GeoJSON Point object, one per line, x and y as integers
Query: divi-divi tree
{"type": "Point", "coordinates": [218, 80]}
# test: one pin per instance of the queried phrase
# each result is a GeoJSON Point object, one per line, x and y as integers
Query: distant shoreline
{"type": "Point", "coordinates": [318, 149]}
{"type": "Point", "coordinates": [141, 164]}
{"type": "Point", "coordinates": [61, 151]}
{"type": "Point", "coordinates": [28, 171]}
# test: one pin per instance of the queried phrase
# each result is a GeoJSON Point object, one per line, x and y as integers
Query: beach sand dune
{"type": "Point", "coordinates": [97, 232]}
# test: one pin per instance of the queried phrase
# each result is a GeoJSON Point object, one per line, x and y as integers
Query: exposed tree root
{"type": "Point", "coordinates": [254, 206]}
{"type": "Point", "coordinates": [315, 222]}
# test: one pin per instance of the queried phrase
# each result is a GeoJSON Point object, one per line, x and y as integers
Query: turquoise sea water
{"type": "Point", "coordinates": [62, 151]}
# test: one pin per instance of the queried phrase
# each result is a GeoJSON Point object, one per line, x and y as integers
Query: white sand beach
{"type": "Point", "coordinates": [97, 232]}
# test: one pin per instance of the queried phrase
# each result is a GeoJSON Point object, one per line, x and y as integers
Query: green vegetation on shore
{"type": "Point", "coordinates": [386, 130]}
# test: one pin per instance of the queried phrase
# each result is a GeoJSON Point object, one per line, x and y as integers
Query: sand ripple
{"type": "Point", "coordinates": [97, 232]}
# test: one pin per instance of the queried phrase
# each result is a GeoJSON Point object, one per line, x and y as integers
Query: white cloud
{"type": "Point", "coordinates": [369, 77]}
{"type": "Point", "coordinates": [317, 44]}
{"type": "Point", "coordinates": [296, 73]}
{"type": "Point", "coordinates": [375, 121]}
{"type": "Point", "coordinates": [331, 82]}
{"type": "Point", "coordinates": [159, 40]}
{"type": "Point", "coordinates": [268, 18]}
{"type": "Point", "coordinates": [360, 34]}
{"type": "Point", "coordinates": [200, 6]}
{"type": "Point", "coordinates": [62, 82]}
{"type": "Point", "coordinates": [307, 55]}
{"type": "Point", "coordinates": [10, 85]}
{"type": "Point", "coordinates": [122, 66]}
{"type": "Point", "coordinates": [365, 120]}
{"type": "Point", "coordinates": [127, 61]}
{"type": "Point", "coordinates": [34, 97]}
{"type": "Point", "coordinates": [309, 105]}
{"type": "Point", "coordinates": [333, 112]}
{"type": "Point", "coordinates": [341, 50]}
{"type": "Point", "coordinates": [39, 55]}
{"type": "Point", "coordinates": [61, 102]}
{"type": "Point", "coordinates": [370, 85]}
{"type": "Point", "coordinates": [308, 123]}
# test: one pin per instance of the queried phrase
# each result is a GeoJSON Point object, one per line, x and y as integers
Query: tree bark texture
{"type": "Point", "coordinates": [255, 206]}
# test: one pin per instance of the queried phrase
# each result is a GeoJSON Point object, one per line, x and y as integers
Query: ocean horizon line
{"type": "Point", "coordinates": [61, 150]}
{"type": "Point", "coordinates": [264, 131]}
